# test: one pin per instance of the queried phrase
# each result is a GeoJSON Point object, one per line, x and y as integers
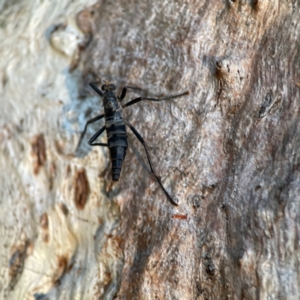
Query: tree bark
{"type": "Point", "coordinates": [227, 153]}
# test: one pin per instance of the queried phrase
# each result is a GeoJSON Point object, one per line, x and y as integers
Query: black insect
{"type": "Point", "coordinates": [115, 126]}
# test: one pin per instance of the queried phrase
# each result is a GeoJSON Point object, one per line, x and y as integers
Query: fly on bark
{"type": "Point", "coordinates": [115, 126]}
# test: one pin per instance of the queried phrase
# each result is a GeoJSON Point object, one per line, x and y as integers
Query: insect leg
{"type": "Point", "coordinates": [95, 136]}
{"type": "Point", "coordinates": [123, 94]}
{"type": "Point", "coordinates": [154, 99]}
{"type": "Point", "coordinates": [85, 128]}
{"type": "Point", "coordinates": [149, 160]}
{"type": "Point", "coordinates": [95, 88]}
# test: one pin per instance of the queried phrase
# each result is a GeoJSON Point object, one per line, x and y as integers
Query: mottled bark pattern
{"type": "Point", "coordinates": [229, 152]}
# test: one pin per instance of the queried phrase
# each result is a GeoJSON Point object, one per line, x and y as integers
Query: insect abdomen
{"type": "Point", "coordinates": [117, 144]}
{"type": "Point", "coordinates": [117, 155]}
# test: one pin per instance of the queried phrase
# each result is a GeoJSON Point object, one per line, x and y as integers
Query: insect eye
{"type": "Point", "coordinates": [112, 87]}
{"type": "Point", "coordinates": [103, 88]}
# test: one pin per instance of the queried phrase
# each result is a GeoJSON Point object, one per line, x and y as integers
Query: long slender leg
{"type": "Point", "coordinates": [85, 128]}
{"type": "Point", "coordinates": [154, 99]}
{"type": "Point", "coordinates": [149, 160]}
{"type": "Point", "coordinates": [123, 94]}
{"type": "Point", "coordinates": [95, 136]}
{"type": "Point", "coordinates": [96, 89]}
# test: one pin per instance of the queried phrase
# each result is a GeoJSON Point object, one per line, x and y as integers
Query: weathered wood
{"type": "Point", "coordinates": [228, 153]}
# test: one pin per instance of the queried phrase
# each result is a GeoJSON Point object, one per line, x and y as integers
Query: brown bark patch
{"type": "Point", "coordinates": [16, 262]}
{"type": "Point", "coordinates": [82, 189]}
{"type": "Point", "coordinates": [44, 222]}
{"type": "Point", "coordinates": [38, 147]}
{"type": "Point", "coordinates": [62, 265]}
{"type": "Point", "coordinates": [180, 217]}
{"type": "Point", "coordinates": [64, 209]}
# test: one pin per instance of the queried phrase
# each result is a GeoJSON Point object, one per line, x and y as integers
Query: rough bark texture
{"type": "Point", "coordinates": [227, 153]}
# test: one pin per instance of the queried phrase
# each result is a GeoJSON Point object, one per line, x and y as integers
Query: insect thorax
{"type": "Point", "coordinates": [110, 101]}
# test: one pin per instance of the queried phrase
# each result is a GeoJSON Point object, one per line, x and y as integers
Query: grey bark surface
{"type": "Point", "coordinates": [227, 153]}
